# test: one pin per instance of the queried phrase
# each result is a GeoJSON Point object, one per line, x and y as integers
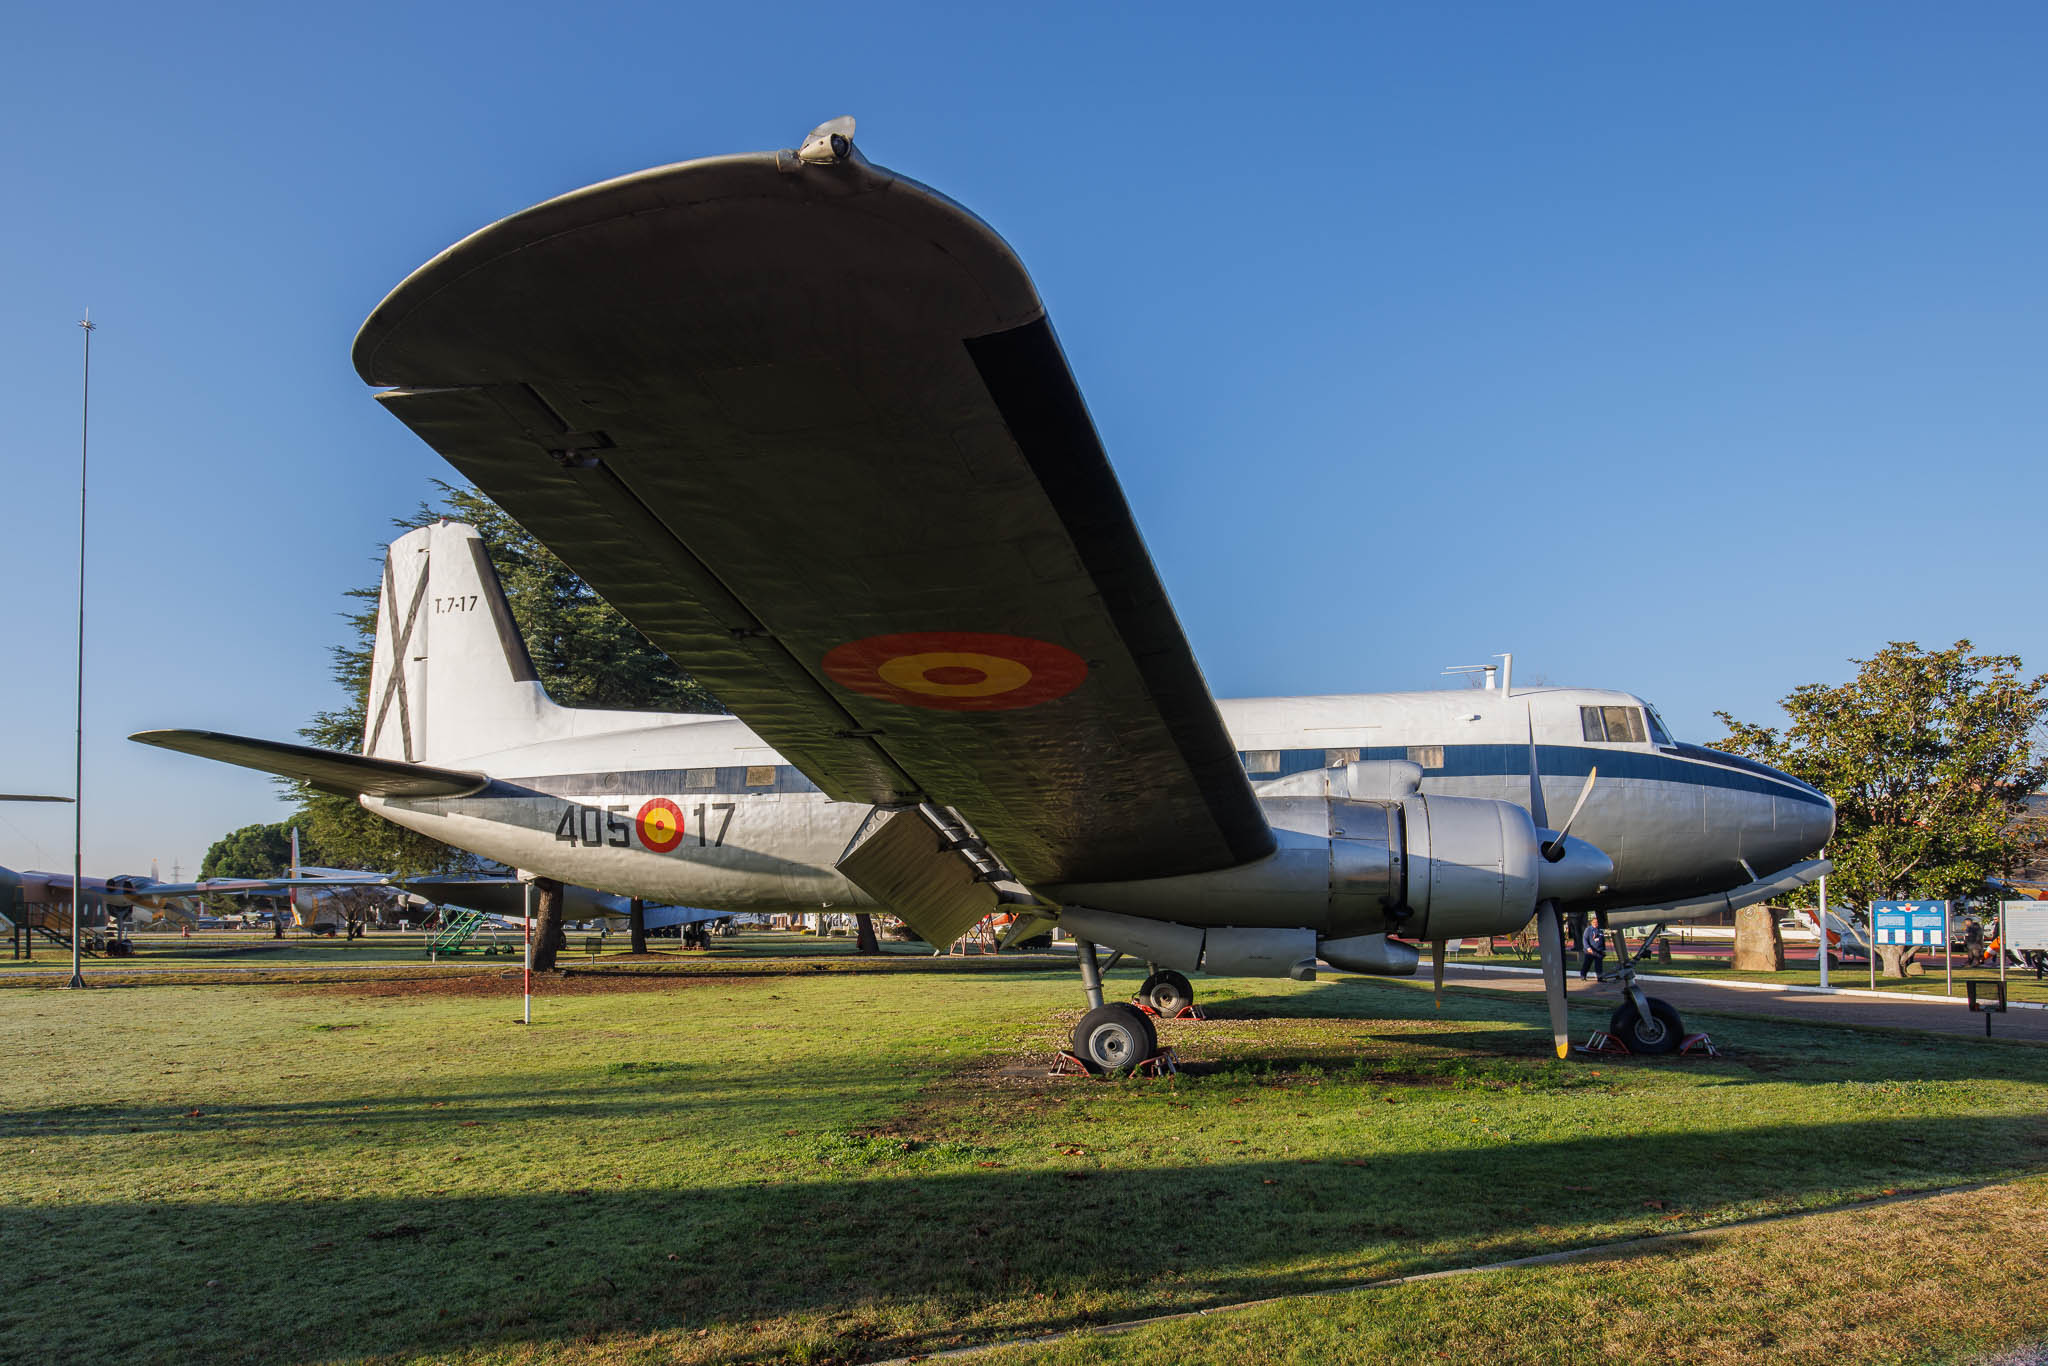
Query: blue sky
{"type": "Point", "coordinates": [1686, 349]}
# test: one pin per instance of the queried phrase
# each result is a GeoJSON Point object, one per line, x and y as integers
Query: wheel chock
{"type": "Point", "coordinates": [1603, 1042]}
{"type": "Point", "coordinates": [1699, 1043]}
{"type": "Point", "coordinates": [1164, 1063]}
{"type": "Point", "coordinates": [1187, 1012]}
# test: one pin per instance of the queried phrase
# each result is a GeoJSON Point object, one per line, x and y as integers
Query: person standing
{"type": "Point", "coordinates": [1592, 951]}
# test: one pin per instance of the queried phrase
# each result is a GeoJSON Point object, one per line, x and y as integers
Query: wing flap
{"type": "Point", "coordinates": [900, 861]}
{"type": "Point", "coordinates": [329, 770]}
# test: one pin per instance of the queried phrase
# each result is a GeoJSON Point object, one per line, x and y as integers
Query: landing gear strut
{"type": "Point", "coordinates": [1110, 1037]}
{"type": "Point", "coordinates": [1644, 1023]}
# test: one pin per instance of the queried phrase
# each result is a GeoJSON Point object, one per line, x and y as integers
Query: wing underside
{"type": "Point", "coordinates": [808, 428]}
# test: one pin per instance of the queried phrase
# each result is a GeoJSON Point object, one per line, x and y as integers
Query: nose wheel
{"type": "Point", "coordinates": [1657, 1031]}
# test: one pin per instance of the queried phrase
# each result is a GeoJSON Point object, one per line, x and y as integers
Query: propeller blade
{"type": "Point", "coordinates": [1550, 948]}
{"type": "Point", "coordinates": [1555, 849]}
{"type": "Point", "coordinates": [1536, 812]}
{"type": "Point", "coordinates": [1436, 963]}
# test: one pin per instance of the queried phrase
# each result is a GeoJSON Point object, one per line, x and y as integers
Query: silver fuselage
{"type": "Point", "coordinates": [1678, 821]}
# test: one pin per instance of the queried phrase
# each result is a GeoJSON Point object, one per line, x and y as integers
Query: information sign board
{"type": "Point", "coordinates": [1909, 922]}
{"type": "Point", "coordinates": [2023, 925]}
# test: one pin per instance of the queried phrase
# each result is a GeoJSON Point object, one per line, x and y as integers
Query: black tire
{"type": "Point", "coordinates": [1111, 1038]}
{"type": "Point", "coordinates": [1167, 992]}
{"type": "Point", "coordinates": [1661, 1033]}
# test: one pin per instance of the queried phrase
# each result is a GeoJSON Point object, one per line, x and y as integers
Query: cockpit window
{"type": "Point", "coordinates": [1612, 725]}
{"type": "Point", "coordinates": [1657, 731]}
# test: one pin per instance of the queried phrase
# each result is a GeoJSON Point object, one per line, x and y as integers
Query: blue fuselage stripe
{"type": "Point", "coordinates": [1563, 761]}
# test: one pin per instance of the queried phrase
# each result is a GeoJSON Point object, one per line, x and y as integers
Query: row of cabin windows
{"type": "Point", "coordinates": [1264, 763]}
{"type": "Point", "coordinates": [758, 775]}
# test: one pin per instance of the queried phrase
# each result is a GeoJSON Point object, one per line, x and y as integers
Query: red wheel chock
{"type": "Point", "coordinates": [1604, 1043]}
{"type": "Point", "coordinates": [1187, 1012]}
{"type": "Point", "coordinates": [1164, 1063]}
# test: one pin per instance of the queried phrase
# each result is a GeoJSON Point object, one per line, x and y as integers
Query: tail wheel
{"type": "Point", "coordinates": [1167, 992]}
{"type": "Point", "coordinates": [1662, 1032]}
{"type": "Point", "coordinates": [1111, 1038]}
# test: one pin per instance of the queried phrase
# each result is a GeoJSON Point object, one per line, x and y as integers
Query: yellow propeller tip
{"type": "Point", "coordinates": [1563, 1049]}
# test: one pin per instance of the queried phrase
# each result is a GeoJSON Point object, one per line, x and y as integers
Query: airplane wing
{"type": "Point", "coordinates": [805, 423]}
{"type": "Point", "coordinates": [252, 886]}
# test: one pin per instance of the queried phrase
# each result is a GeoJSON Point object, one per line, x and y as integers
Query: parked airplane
{"type": "Point", "coordinates": [805, 423]}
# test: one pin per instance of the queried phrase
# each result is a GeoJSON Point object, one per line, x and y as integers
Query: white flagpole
{"type": "Point", "coordinates": [78, 782]}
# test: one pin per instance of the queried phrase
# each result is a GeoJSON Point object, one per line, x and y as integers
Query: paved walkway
{"type": "Point", "coordinates": [1938, 1014]}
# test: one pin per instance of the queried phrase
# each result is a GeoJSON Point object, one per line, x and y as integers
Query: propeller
{"type": "Point", "coordinates": [1554, 848]}
{"type": "Point", "coordinates": [1550, 951]}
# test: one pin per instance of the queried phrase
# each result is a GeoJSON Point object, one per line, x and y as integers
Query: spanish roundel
{"type": "Point", "coordinates": [957, 670]}
{"type": "Point", "coordinates": [660, 824]}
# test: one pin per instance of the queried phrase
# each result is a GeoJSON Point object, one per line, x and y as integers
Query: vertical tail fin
{"type": "Point", "coordinates": [450, 676]}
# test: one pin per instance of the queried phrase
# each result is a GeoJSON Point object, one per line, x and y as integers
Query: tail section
{"type": "Point", "coordinates": [450, 676]}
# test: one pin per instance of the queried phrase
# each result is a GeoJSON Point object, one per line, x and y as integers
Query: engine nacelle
{"type": "Point", "coordinates": [1424, 867]}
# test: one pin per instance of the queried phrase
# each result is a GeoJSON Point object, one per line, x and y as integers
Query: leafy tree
{"type": "Point", "coordinates": [585, 652]}
{"type": "Point", "coordinates": [1930, 757]}
{"type": "Point", "coordinates": [257, 851]}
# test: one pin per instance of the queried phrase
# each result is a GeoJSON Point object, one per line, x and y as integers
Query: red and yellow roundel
{"type": "Point", "coordinates": [660, 824]}
{"type": "Point", "coordinates": [957, 670]}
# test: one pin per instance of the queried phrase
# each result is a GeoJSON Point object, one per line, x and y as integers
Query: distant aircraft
{"type": "Point", "coordinates": [805, 423]}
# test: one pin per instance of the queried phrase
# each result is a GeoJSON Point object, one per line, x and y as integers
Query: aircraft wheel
{"type": "Point", "coordinates": [1661, 1033]}
{"type": "Point", "coordinates": [1167, 992]}
{"type": "Point", "coordinates": [1113, 1037]}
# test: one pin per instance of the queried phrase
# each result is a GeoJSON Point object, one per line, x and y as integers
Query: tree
{"type": "Point", "coordinates": [584, 651]}
{"type": "Point", "coordinates": [1930, 757]}
{"type": "Point", "coordinates": [256, 851]}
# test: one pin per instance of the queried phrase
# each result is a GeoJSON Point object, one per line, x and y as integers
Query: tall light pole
{"type": "Point", "coordinates": [78, 777]}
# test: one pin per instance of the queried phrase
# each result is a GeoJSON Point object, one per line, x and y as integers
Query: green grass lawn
{"type": "Point", "coordinates": [826, 1166]}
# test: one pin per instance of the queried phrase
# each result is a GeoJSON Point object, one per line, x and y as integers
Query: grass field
{"type": "Point", "coordinates": [824, 1166]}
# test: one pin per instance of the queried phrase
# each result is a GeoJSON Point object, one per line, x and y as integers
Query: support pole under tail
{"type": "Point", "coordinates": [1091, 973]}
{"type": "Point", "coordinates": [1436, 964]}
{"type": "Point", "coordinates": [1550, 948]}
{"type": "Point", "coordinates": [526, 976]}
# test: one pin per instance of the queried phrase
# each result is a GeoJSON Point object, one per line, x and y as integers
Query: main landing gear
{"type": "Point", "coordinates": [1116, 1036]}
{"type": "Point", "coordinates": [1168, 993]}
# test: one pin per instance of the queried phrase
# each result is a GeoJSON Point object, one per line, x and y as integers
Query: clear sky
{"type": "Point", "coordinates": [1691, 349]}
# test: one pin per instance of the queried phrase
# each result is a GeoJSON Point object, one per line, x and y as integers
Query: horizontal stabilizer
{"type": "Point", "coordinates": [327, 769]}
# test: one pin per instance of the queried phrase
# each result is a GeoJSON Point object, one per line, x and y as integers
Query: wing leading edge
{"type": "Point", "coordinates": [807, 426]}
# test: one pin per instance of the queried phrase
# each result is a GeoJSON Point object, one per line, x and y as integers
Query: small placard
{"type": "Point", "coordinates": [1992, 997]}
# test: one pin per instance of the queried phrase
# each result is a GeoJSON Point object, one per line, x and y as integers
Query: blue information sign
{"type": "Point", "coordinates": [1909, 922]}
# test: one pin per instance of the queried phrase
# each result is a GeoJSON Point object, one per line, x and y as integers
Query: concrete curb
{"type": "Point", "coordinates": [1783, 988]}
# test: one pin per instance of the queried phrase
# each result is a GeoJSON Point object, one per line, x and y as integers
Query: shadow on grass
{"type": "Point", "coordinates": [891, 1259]}
{"type": "Point", "coordinates": [685, 1091]}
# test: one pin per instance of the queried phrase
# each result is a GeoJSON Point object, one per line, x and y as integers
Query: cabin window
{"type": "Point", "coordinates": [700, 778]}
{"type": "Point", "coordinates": [761, 775]}
{"type": "Point", "coordinates": [1612, 725]}
{"type": "Point", "coordinates": [1657, 731]}
{"type": "Point", "coordinates": [1429, 756]}
{"type": "Point", "coordinates": [1337, 758]}
{"type": "Point", "coordinates": [1262, 761]}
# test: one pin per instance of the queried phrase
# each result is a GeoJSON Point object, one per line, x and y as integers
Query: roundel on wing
{"type": "Point", "coordinates": [957, 670]}
{"type": "Point", "coordinates": [659, 824]}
